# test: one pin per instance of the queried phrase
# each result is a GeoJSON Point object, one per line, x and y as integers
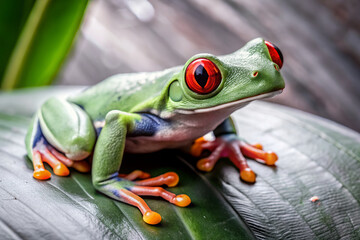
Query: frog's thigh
{"type": "Point", "coordinates": [67, 127]}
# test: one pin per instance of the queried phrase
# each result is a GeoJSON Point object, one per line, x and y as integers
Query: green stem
{"type": "Point", "coordinates": [22, 47]}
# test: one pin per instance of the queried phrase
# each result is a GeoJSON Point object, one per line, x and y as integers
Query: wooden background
{"type": "Point", "coordinates": [320, 41]}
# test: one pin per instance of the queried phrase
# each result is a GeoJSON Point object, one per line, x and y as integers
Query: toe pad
{"type": "Point", "coordinates": [204, 165]}
{"type": "Point", "coordinates": [181, 200]}
{"type": "Point", "coordinates": [270, 158]}
{"type": "Point", "coordinates": [248, 175]}
{"type": "Point", "coordinates": [42, 174]}
{"type": "Point", "coordinates": [152, 218]}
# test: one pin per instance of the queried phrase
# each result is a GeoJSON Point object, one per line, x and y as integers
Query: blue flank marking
{"type": "Point", "coordinates": [147, 126]}
{"type": "Point", "coordinates": [39, 136]}
{"type": "Point", "coordinates": [116, 193]}
{"type": "Point", "coordinates": [115, 176]}
{"type": "Point", "coordinates": [98, 130]}
{"type": "Point", "coordinates": [80, 106]}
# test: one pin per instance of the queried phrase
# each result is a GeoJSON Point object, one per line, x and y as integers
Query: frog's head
{"type": "Point", "coordinates": [207, 82]}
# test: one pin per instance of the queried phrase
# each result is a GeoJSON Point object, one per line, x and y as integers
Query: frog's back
{"type": "Point", "coordinates": [123, 92]}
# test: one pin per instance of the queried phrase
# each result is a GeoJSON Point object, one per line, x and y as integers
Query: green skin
{"type": "Point", "coordinates": [117, 105]}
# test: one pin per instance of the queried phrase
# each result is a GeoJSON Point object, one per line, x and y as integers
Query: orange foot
{"type": "Point", "coordinates": [59, 163]}
{"type": "Point", "coordinates": [150, 187]}
{"type": "Point", "coordinates": [230, 146]}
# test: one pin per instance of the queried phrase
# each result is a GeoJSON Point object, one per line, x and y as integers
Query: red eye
{"type": "Point", "coordinates": [275, 54]}
{"type": "Point", "coordinates": [202, 76]}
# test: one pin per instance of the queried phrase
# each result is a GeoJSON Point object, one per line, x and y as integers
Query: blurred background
{"type": "Point", "coordinates": [320, 41]}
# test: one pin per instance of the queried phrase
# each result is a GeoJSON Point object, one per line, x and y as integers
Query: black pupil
{"type": "Point", "coordinates": [201, 76]}
{"type": "Point", "coordinates": [280, 53]}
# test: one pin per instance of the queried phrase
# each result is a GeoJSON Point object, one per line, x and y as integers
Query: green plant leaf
{"type": "Point", "coordinates": [13, 15]}
{"type": "Point", "coordinates": [36, 37]}
{"type": "Point", "coordinates": [316, 158]}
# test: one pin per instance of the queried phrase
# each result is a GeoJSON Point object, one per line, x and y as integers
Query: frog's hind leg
{"type": "Point", "coordinates": [40, 172]}
{"type": "Point", "coordinates": [38, 152]}
{"type": "Point", "coordinates": [42, 154]}
{"type": "Point", "coordinates": [81, 166]}
{"type": "Point", "coordinates": [61, 135]}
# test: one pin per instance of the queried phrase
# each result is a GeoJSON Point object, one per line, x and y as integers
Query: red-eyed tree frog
{"type": "Point", "coordinates": [146, 112]}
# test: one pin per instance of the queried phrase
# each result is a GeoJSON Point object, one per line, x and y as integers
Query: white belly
{"type": "Point", "coordinates": [182, 131]}
{"type": "Point", "coordinates": [177, 137]}
{"type": "Point", "coordinates": [148, 145]}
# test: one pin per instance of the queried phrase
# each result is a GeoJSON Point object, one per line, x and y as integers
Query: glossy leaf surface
{"type": "Point", "coordinates": [316, 158]}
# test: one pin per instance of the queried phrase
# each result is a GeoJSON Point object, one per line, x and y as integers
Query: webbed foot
{"type": "Point", "coordinates": [232, 147]}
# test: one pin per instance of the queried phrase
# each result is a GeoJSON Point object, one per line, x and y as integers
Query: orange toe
{"type": "Point", "coordinates": [42, 174]}
{"type": "Point", "coordinates": [61, 170]}
{"type": "Point", "coordinates": [196, 148]}
{"type": "Point", "coordinates": [82, 166]}
{"type": "Point", "coordinates": [152, 218]}
{"type": "Point", "coordinates": [144, 175]}
{"type": "Point", "coordinates": [270, 158]}
{"type": "Point", "coordinates": [258, 146]}
{"type": "Point", "coordinates": [204, 165]}
{"type": "Point", "coordinates": [248, 175]}
{"type": "Point", "coordinates": [181, 200]}
{"type": "Point", "coordinates": [172, 179]}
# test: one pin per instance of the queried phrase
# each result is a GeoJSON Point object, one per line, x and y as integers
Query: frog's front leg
{"type": "Point", "coordinates": [107, 159]}
{"type": "Point", "coordinates": [228, 144]}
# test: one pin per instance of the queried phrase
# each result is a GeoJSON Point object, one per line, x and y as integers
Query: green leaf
{"type": "Point", "coordinates": [316, 158]}
{"type": "Point", "coordinates": [36, 37]}
{"type": "Point", "coordinates": [13, 15]}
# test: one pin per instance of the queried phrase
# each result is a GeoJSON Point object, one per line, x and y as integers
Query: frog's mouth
{"type": "Point", "coordinates": [235, 104]}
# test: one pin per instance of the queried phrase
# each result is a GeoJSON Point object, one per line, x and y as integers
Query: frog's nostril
{"type": "Point", "coordinates": [275, 53]}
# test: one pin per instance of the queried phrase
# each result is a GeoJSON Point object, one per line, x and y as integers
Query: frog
{"type": "Point", "coordinates": [147, 112]}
